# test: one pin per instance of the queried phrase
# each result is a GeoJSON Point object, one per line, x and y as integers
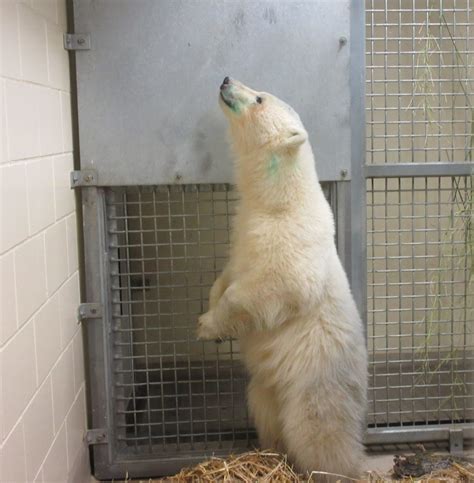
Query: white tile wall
{"type": "Point", "coordinates": [58, 59]}
{"type": "Point", "coordinates": [39, 176]}
{"type": "Point", "coordinates": [49, 111]}
{"type": "Point", "coordinates": [38, 428]}
{"type": "Point", "coordinates": [13, 194]}
{"type": "Point", "coordinates": [62, 22]}
{"type": "Point", "coordinates": [48, 337]}
{"type": "Point", "coordinates": [42, 405]}
{"type": "Point", "coordinates": [63, 385]}
{"type": "Point", "coordinates": [72, 249]}
{"type": "Point", "coordinates": [30, 277]}
{"type": "Point", "coordinates": [66, 116]}
{"type": "Point", "coordinates": [22, 126]}
{"type": "Point", "coordinates": [12, 457]}
{"type": "Point", "coordinates": [33, 52]}
{"type": "Point", "coordinates": [68, 302]}
{"type": "Point", "coordinates": [10, 42]}
{"type": "Point", "coordinates": [8, 319]}
{"type": "Point", "coordinates": [56, 256]}
{"type": "Point", "coordinates": [18, 376]}
{"type": "Point", "coordinates": [47, 8]}
{"type": "Point", "coordinates": [3, 123]}
{"type": "Point", "coordinates": [55, 464]}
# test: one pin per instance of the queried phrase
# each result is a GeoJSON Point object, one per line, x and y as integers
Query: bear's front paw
{"type": "Point", "coordinates": [207, 329]}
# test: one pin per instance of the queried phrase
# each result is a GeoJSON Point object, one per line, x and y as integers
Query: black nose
{"type": "Point", "coordinates": [226, 80]}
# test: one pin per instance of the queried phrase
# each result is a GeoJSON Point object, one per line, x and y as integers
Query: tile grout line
{"type": "Point", "coordinates": [37, 390]}
{"type": "Point", "coordinates": [34, 83]}
{"type": "Point", "coordinates": [34, 235]}
{"type": "Point", "coordinates": [35, 313]}
{"type": "Point", "coordinates": [14, 162]}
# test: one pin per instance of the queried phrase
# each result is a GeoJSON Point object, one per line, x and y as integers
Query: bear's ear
{"type": "Point", "coordinates": [294, 139]}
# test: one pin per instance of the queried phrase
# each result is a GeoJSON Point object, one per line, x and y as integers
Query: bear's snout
{"type": "Point", "coordinates": [225, 83]}
{"type": "Point", "coordinates": [225, 92]}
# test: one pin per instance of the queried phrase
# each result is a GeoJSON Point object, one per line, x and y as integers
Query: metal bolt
{"type": "Point", "coordinates": [81, 40]}
{"type": "Point", "coordinates": [342, 41]}
{"type": "Point", "coordinates": [177, 177]}
{"type": "Point", "coordinates": [343, 173]}
{"type": "Point", "coordinates": [93, 311]}
{"type": "Point", "coordinates": [87, 178]}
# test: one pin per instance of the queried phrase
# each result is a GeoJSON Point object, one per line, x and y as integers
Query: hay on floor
{"type": "Point", "coordinates": [268, 466]}
{"type": "Point", "coordinates": [261, 466]}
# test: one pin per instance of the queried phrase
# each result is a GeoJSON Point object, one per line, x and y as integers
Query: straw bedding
{"type": "Point", "coordinates": [267, 466]}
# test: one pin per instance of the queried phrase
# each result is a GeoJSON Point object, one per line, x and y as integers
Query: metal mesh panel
{"type": "Point", "coordinates": [419, 80]}
{"type": "Point", "coordinates": [420, 300]}
{"type": "Point", "coordinates": [419, 100]}
{"type": "Point", "coordinates": [167, 246]}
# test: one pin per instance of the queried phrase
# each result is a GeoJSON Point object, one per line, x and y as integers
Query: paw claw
{"type": "Point", "coordinates": [206, 329]}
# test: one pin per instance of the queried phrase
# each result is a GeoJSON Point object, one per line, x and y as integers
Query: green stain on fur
{"type": "Point", "coordinates": [234, 104]}
{"type": "Point", "coordinates": [273, 165]}
{"type": "Point", "coordinates": [235, 108]}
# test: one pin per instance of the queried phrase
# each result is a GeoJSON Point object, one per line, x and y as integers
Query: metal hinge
{"type": "Point", "coordinates": [86, 177]}
{"type": "Point", "coordinates": [77, 41]}
{"type": "Point", "coordinates": [89, 311]}
{"type": "Point", "coordinates": [96, 436]}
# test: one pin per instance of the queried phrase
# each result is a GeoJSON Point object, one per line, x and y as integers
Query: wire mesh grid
{"type": "Point", "coordinates": [420, 300]}
{"type": "Point", "coordinates": [419, 71]}
{"type": "Point", "coordinates": [167, 245]}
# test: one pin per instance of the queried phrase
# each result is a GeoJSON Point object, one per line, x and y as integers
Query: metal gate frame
{"type": "Point", "coordinates": [454, 434]}
{"type": "Point", "coordinates": [350, 199]}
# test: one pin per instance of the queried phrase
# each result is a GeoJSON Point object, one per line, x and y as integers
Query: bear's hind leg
{"type": "Point", "coordinates": [321, 437]}
{"type": "Point", "coordinates": [263, 406]}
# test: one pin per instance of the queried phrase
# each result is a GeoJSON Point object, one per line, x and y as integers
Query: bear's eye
{"type": "Point", "coordinates": [259, 100]}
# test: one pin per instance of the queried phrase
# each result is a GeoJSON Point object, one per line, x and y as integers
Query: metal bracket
{"type": "Point", "coordinates": [96, 436]}
{"type": "Point", "coordinates": [77, 41]}
{"type": "Point", "coordinates": [89, 311]}
{"type": "Point", "coordinates": [86, 177]}
{"type": "Point", "coordinates": [456, 441]}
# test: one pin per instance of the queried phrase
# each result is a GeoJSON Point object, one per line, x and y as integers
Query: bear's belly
{"type": "Point", "coordinates": [312, 345]}
{"type": "Point", "coordinates": [297, 347]}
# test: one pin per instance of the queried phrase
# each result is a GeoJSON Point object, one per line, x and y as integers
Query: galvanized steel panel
{"type": "Point", "coordinates": [147, 88]}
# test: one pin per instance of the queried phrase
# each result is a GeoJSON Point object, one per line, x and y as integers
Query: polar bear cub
{"type": "Point", "coordinates": [285, 296]}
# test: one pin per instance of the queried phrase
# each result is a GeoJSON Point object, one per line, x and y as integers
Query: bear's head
{"type": "Point", "coordinates": [260, 120]}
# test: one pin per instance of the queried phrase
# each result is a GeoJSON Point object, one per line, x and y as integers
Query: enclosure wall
{"type": "Point", "coordinates": [42, 410]}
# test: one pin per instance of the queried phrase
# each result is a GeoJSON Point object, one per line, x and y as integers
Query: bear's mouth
{"type": "Point", "coordinates": [226, 101]}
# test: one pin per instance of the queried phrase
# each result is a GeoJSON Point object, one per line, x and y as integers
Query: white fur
{"type": "Point", "coordinates": [285, 295]}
